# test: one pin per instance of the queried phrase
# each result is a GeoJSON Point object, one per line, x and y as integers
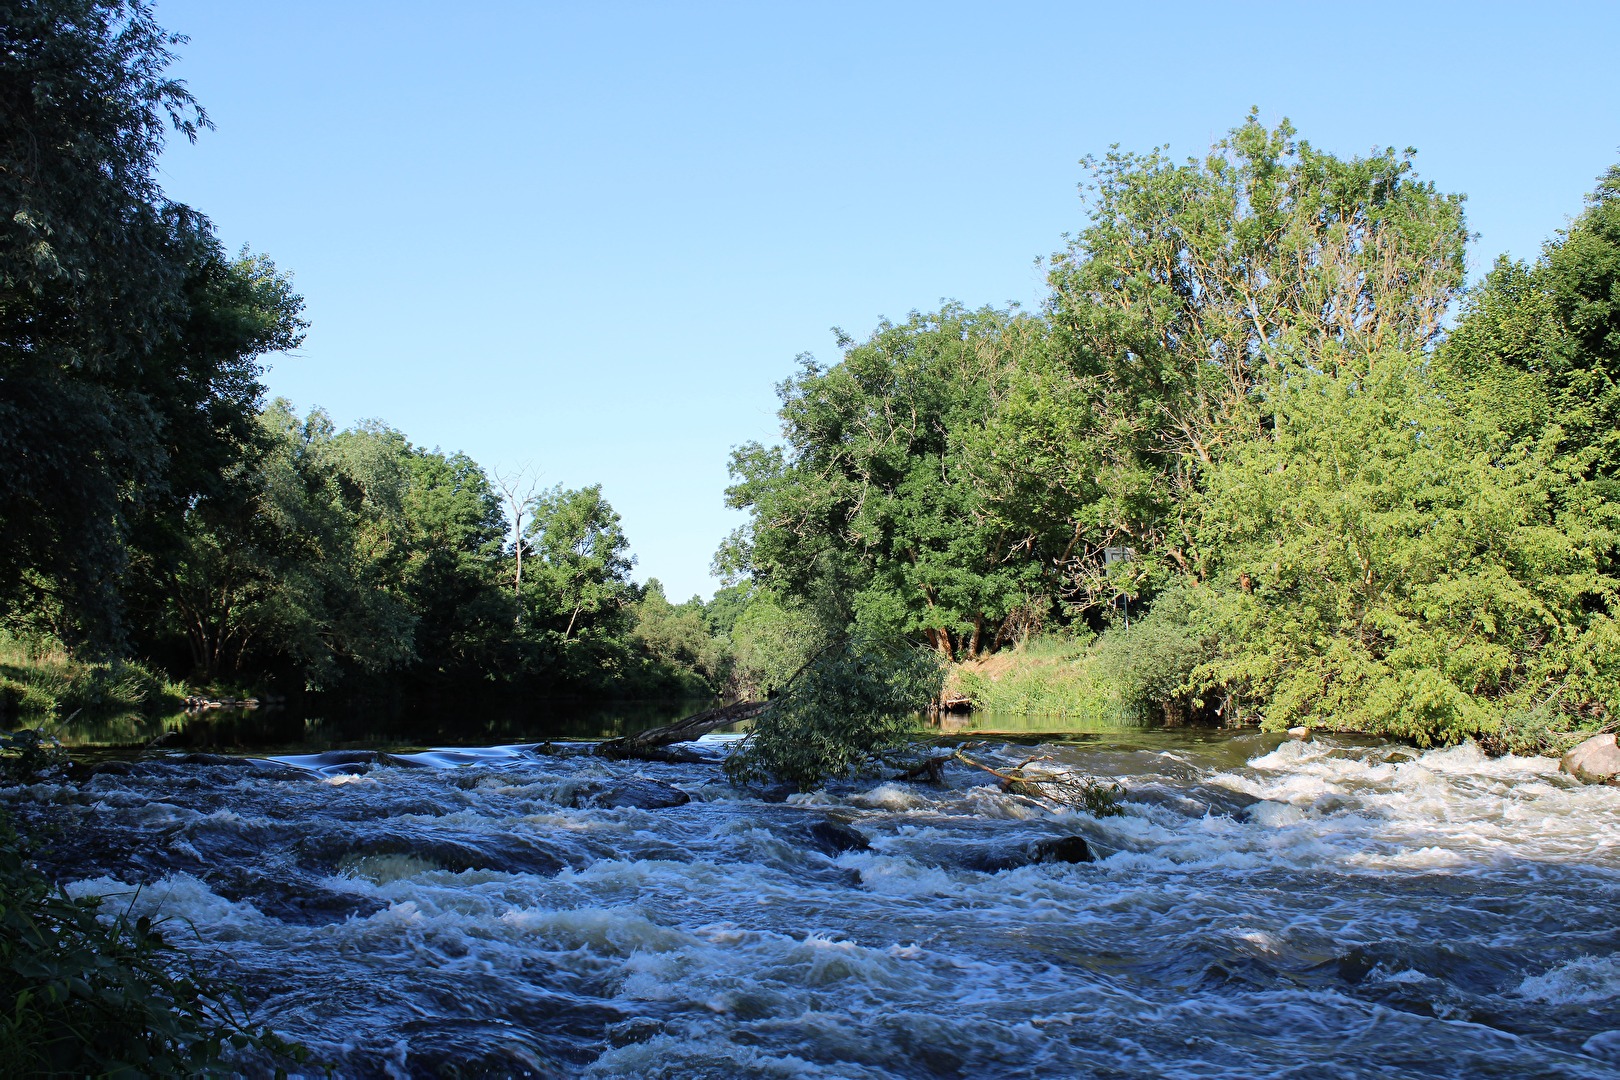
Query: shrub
{"type": "Point", "coordinates": [840, 716]}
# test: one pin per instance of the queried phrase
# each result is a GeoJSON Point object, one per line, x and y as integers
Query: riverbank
{"type": "Point", "coordinates": [42, 682]}
{"type": "Point", "coordinates": [1261, 902]}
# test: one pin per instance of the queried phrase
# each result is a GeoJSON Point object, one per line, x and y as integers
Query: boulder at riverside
{"type": "Point", "coordinates": [1596, 761]}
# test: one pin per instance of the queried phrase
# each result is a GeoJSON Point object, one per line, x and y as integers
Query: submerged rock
{"type": "Point", "coordinates": [1067, 849]}
{"type": "Point", "coordinates": [1595, 761]}
{"type": "Point", "coordinates": [638, 794]}
{"type": "Point", "coordinates": [1050, 849]}
{"type": "Point", "coordinates": [832, 837]}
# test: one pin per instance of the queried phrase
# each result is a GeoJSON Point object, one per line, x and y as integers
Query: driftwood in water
{"type": "Point", "coordinates": [645, 743]}
{"type": "Point", "coordinates": [648, 743]}
{"type": "Point", "coordinates": [1061, 786]}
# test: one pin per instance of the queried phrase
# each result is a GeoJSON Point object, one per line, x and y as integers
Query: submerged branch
{"type": "Point", "coordinates": [1072, 789]}
{"type": "Point", "coordinates": [684, 730]}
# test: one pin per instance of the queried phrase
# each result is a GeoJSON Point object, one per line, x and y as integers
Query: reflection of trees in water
{"type": "Point", "coordinates": [277, 729]}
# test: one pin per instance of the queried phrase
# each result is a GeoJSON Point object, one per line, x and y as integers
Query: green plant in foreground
{"type": "Point", "coordinates": [83, 994]}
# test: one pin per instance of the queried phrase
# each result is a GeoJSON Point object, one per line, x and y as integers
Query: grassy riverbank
{"type": "Point", "coordinates": [43, 682]}
{"type": "Point", "coordinates": [1045, 676]}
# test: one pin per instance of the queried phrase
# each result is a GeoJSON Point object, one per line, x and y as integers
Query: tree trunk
{"type": "Point", "coordinates": [644, 743]}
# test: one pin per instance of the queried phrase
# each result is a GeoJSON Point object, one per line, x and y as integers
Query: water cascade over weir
{"type": "Point", "coordinates": [1261, 909]}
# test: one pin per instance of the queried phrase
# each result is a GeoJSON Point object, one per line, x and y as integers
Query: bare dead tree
{"type": "Point", "coordinates": [518, 486]}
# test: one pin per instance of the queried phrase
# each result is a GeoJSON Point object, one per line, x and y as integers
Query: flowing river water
{"type": "Point", "coordinates": [1263, 908]}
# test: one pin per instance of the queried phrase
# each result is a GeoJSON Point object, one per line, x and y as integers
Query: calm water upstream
{"type": "Point", "coordinates": [1263, 909]}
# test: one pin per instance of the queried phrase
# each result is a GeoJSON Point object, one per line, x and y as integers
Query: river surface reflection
{"type": "Point", "coordinates": [278, 729]}
{"type": "Point", "coordinates": [1263, 908]}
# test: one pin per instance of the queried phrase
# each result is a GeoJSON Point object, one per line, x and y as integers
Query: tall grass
{"type": "Point", "coordinates": [1047, 676]}
{"type": "Point", "coordinates": [40, 680]}
{"type": "Point", "coordinates": [1136, 674]}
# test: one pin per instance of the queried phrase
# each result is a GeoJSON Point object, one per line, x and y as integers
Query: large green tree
{"type": "Point", "coordinates": [1181, 311]}
{"type": "Point", "coordinates": [296, 567]}
{"type": "Point", "coordinates": [870, 513]}
{"type": "Point", "coordinates": [128, 339]}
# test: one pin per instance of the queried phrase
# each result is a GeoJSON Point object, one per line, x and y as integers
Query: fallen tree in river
{"type": "Point", "coordinates": [648, 743]}
{"type": "Point", "coordinates": [847, 711]}
{"type": "Point", "coordinates": [840, 714]}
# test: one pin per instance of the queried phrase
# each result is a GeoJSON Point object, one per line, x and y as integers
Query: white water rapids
{"type": "Point", "coordinates": [1261, 910]}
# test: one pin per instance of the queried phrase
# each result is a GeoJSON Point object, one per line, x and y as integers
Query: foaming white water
{"type": "Point", "coordinates": [1395, 913]}
{"type": "Point", "coordinates": [1589, 980]}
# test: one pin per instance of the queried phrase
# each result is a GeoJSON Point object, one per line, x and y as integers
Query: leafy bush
{"type": "Point", "coordinates": [840, 716]}
{"type": "Point", "coordinates": [1394, 563]}
{"type": "Point", "coordinates": [1151, 663]}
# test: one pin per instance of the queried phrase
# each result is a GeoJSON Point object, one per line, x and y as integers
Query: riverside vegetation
{"type": "Point", "coordinates": [1339, 489]}
{"type": "Point", "coordinates": [1261, 457]}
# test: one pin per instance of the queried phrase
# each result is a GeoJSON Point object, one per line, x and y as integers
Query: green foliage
{"type": "Point", "coordinates": [1053, 675]}
{"type": "Point", "coordinates": [580, 576]}
{"type": "Point", "coordinates": [298, 564]}
{"type": "Point", "coordinates": [1390, 562]}
{"type": "Point", "coordinates": [128, 340]}
{"type": "Point", "coordinates": [1150, 663]}
{"type": "Point", "coordinates": [1195, 289]}
{"type": "Point", "coordinates": [772, 640]}
{"type": "Point", "coordinates": [851, 706]}
{"type": "Point", "coordinates": [873, 502]}
{"type": "Point", "coordinates": [451, 568]}
{"type": "Point", "coordinates": [685, 654]}
{"type": "Point", "coordinates": [1335, 513]}
{"type": "Point", "coordinates": [40, 681]}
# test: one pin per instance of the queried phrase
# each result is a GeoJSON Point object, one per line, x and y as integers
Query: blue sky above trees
{"type": "Point", "coordinates": [592, 237]}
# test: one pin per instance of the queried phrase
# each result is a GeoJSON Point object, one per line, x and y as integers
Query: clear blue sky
{"type": "Point", "coordinates": [593, 236]}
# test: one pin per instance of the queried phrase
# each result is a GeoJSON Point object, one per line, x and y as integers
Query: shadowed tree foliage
{"type": "Point", "coordinates": [128, 341]}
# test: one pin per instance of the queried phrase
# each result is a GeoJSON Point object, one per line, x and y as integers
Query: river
{"type": "Point", "coordinates": [1263, 908]}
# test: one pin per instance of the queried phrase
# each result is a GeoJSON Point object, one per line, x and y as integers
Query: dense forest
{"type": "Point", "coordinates": [1261, 437]}
{"type": "Point", "coordinates": [1262, 454]}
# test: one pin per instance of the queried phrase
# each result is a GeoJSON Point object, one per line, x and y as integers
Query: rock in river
{"type": "Point", "coordinates": [637, 792]}
{"type": "Point", "coordinates": [832, 837]}
{"type": "Point", "coordinates": [1595, 761]}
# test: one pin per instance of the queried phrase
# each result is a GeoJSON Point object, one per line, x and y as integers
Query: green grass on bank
{"type": "Point", "coordinates": [39, 681]}
{"type": "Point", "coordinates": [1049, 676]}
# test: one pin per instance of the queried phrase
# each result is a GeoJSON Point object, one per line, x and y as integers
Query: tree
{"type": "Point", "coordinates": [1181, 312]}
{"type": "Point", "coordinates": [685, 654]}
{"type": "Point", "coordinates": [1393, 562]}
{"type": "Point", "coordinates": [128, 341]}
{"type": "Point", "coordinates": [517, 488]}
{"type": "Point", "coordinates": [452, 575]}
{"type": "Point", "coordinates": [842, 715]}
{"type": "Point", "coordinates": [584, 570]}
{"type": "Point", "coordinates": [870, 506]}
{"type": "Point", "coordinates": [297, 564]}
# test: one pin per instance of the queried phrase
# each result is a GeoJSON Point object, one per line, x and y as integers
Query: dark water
{"type": "Point", "coordinates": [278, 729]}
{"type": "Point", "coordinates": [1263, 909]}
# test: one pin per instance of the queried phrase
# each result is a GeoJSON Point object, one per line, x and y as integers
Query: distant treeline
{"type": "Point", "coordinates": [1260, 418]}
{"type": "Point", "coordinates": [153, 506]}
